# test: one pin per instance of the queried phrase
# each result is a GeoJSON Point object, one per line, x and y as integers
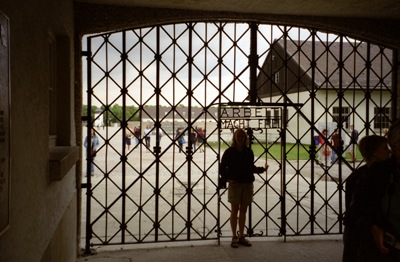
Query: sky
{"type": "Point", "coordinates": [205, 77]}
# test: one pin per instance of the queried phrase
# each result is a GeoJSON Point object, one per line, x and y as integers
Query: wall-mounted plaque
{"type": "Point", "coordinates": [4, 124]}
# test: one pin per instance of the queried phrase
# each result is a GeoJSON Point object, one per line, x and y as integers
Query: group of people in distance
{"type": "Point", "coordinates": [197, 137]}
{"type": "Point", "coordinates": [372, 199]}
{"type": "Point", "coordinates": [327, 151]}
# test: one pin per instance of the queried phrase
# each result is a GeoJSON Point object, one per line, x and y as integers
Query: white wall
{"type": "Point", "coordinates": [300, 127]}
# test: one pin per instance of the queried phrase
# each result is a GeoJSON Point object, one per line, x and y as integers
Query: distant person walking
{"type": "Point", "coordinates": [324, 151]}
{"type": "Point", "coordinates": [128, 136]}
{"type": "Point", "coordinates": [200, 139]}
{"type": "Point", "coordinates": [146, 135]}
{"type": "Point", "coordinates": [237, 168]}
{"type": "Point", "coordinates": [193, 139]}
{"type": "Point", "coordinates": [92, 148]}
{"type": "Point", "coordinates": [137, 132]}
{"type": "Point", "coordinates": [336, 143]}
{"type": "Point", "coordinates": [353, 143]}
{"type": "Point", "coordinates": [181, 138]}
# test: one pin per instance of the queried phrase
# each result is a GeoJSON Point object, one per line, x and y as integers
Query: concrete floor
{"type": "Point", "coordinates": [299, 249]}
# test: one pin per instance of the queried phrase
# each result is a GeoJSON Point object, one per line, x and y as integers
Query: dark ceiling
{"type": "Point", "coordinates": [378, 9]}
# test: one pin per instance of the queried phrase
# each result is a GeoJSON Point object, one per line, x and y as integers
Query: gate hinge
{"type": "Point", "coordinates": [86, 53]}
{"type": "Point", "coordinates": [85, 118]}
{"type": "Point", "coordinates": [85, 185]}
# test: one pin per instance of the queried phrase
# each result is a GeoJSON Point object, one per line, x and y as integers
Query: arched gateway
{"type": "Point", "coordinates": [283, 84]}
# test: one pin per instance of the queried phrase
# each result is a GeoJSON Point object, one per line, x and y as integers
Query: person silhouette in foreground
{"type": "Point", "coordinates": [373, 148]}
{"type": "Point", "coordinates": [237, 168]}
{"type": "Point", "coordinates": [375, 207]}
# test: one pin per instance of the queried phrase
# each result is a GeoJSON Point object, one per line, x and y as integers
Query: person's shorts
{"type": "Point", "coordinates": [128, 141]}
{"type": "Point", "coordinates": [240, 193]}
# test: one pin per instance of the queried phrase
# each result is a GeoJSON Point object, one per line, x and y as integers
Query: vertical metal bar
{"type": "Point", "coordinates": [340, 131]}
{"type": "Point", "coordinates": [253, 63]}
{"type": "Point", "coordinates": [283, 142]}
{"type": "Point", "coordinates": [312, 186]}
{"type": "Point", "coordinates": [368, 89]}
{"type": "Point", "coordinates": [173, 132]}
{"type": "Point", "coordinates": [88, 147]}
{"type": "Point", "coordinates": [124, 131]}
{"type": "Point", "coordinates": [157, 146]}
{"type": "Point", "coordinates": [189, 185]}
{"type": "Point", "coordinates": [219, 134]}
{"type": "Point", "coordinates": [395, 75]}
{"type": "Point", "coordinates": [141, 129]}
{"type": "Point", "coordinates": [313, 147]}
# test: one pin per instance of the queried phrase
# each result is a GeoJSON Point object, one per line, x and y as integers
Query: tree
{"type": "Point", "coordinates": [114, 114]}
{"type": "Point", "coordinates": [85, 111]}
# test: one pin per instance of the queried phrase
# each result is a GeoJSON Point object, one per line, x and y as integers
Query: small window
{"type": "Point", "coordinates": [382, 117]}
{"type": "Point", "coordinates": [343, 118]}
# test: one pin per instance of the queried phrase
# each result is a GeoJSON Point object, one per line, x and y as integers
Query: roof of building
{"type": "Point", "coordinates": [354, 58]}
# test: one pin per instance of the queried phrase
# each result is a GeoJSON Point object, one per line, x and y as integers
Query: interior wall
{"type": "Point", "coordinates": [94, 18]}
{"type": "Point", "coordinates": [38, 206]}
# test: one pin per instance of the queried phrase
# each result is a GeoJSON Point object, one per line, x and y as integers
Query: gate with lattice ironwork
{"type": "Point", "coordinates": [148, 88]}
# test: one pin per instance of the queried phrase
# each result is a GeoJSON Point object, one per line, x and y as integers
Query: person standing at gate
{"type": "Point", "coordinates": [237, 168]}
{"type": "Point", "coordinates": [93, 148]}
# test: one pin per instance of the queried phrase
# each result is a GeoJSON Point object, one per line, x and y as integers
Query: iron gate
{"type": "Point", "coordinates": [166, 82]}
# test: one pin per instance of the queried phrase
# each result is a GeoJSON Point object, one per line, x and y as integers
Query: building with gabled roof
{"type": "Point", "coordinates": [354, 70]}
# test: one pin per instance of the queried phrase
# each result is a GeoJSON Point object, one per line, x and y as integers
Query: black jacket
{"type": "Point", "coordinates": [366, 208]}
{"type": "Point", "coordinates": [239, 165]}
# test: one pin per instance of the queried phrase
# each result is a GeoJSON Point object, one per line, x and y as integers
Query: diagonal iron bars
{"type": "Point", "coordinates": [154, 98]}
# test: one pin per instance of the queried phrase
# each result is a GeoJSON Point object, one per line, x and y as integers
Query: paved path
{"type": "Point", "coordinates": [263, 250]}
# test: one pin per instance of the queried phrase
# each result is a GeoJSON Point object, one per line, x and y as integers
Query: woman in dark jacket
{"type": "Point", "coordinates": [237, 168]}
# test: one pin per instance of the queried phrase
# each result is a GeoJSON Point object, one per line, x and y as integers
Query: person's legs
{"type": "Point", "coordinates": [352, 152]}
{"type": "Point", "coordinates": [321, 154]}
{"type": "Point", "coordinates": [333, 156]}
{"type": "Point", "coordinates": [234, 197]}
{"type": "Point", "coordinates": [247, 198]}
{"type": "Point", "coordinates": [92, 168]}
{"type": "Point", "coordinates": [242, 219]}
{"type": "Point", "coordinates": [233, 218]}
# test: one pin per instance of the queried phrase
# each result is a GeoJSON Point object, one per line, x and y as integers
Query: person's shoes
{"type": "Point", "coordinates": [244, 242]}
{"type": "Point", "coordinates": [235, 242]}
